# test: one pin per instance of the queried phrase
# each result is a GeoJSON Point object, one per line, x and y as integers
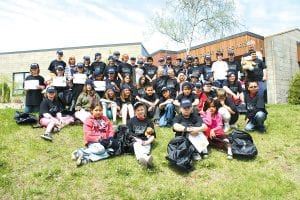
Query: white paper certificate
{"type": "Point", "coordinates": [31, 84]}
{"type": "Point", "coordinates": [200, 142]}
{"type": "Point", "coordinates": [60, 81]}
{"type": "Point", "coordinates": [79, 78]}
{"type": "Point", "coordinates": [100, 85]}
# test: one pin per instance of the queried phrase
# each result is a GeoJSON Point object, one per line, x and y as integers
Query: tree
{"type": "Point", "coordinates": [185, 21]}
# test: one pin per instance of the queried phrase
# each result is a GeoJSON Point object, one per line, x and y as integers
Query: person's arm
{"type": "Point", "coordinates": [148, 77]}
{"type": "Point", "coordinates": [155, 102]}
{"type": "Point", "coordinates": [228, 91]}
{"type": "Point", "coordinates": [176, 103]}
{"type": "Point", "coordinates": [264, 74]}
{"type": "Point", "coordinates": [180, 128]}
{"type": "Point", "coordinates": [149, 140]}
{"type": "Point", "coordinates": [242, 97]}
{"type": "Point", "coordinates": [227, 107]}
{"type": "Point", "coordinates": [145, 101]}
{"type": "Point", "coordinates": [153, 78]}
{"type": "Point", "coordinates": [196, 129]}
{"type": "Point", "coordinates": [196, 102]}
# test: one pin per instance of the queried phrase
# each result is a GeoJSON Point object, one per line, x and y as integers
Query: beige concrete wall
{"type": "Point", "coordinates": [20, 61]}
{"type": "Point", "coordinates": [282, 62]}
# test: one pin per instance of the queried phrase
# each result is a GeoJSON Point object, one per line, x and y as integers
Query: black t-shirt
{"type": "Point", "coordinates": [137, 127]}
{"type": "Point", "coordinates": [34, 97]}
{"type": "Point", "coordinates": [120, 102]}
{"type": "Point", "coordinates": [192, 97]}
{"type": "Point", "coordinates": [206, 70]}
{"type": "Point", "coordinates": [173, 85]}
{"type": "Point", "coordinates": [140, 92]}
{"type": "Point", "coordinates": [54, 64]}
{"type": "Point", "coordinates": [125, 68]}
{"type": "Point", "coordinates": [150, 70]}
{"type": "Point", "coordinates": [51, 107]}
{"type": "Point", "coordinates": [197, 70]}
{"type": "Point", "coordinates": [257, 73]}
{"type": "Point", "coordinates": [254, 104]}
{"type": "Point", "coordinates": [151, 98]}
{"type": "Point", "coordinates": [192, 121]}
{"type": "Point", "coordinates": [98, 66]}
{"type": "Point", "coordinates": [235, 67]}
{"type": "Point", "coordinates": [159, 83]}
{"type": "Point", "coordinates": [235, 87]}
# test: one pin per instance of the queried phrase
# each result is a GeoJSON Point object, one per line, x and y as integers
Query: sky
{"type": "Point", "coordinates": [44, 24]}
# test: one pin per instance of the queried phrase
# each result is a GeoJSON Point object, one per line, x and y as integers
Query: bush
{"type": "Point", "coordinates": [294, 90]}
{"type": "Point", "coordinates": [4, 93]}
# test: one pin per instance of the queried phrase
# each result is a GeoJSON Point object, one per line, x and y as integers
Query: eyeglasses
{"type": "Point", "coordinates": [252, 86]}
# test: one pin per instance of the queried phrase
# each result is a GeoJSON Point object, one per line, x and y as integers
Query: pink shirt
{"type": "Point", "coordinates": [213, 121]}
{"type": "Point", "coordinates": [95, 129]}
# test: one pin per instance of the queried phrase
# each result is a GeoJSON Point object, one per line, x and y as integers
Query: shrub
{"type": "Point", "coordinates": [294, 90]}
{"type": "Point", "coordinates": [4, 93]}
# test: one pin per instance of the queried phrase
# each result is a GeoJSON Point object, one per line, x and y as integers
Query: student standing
{"type": "Point", "coordinates": [34, 97]}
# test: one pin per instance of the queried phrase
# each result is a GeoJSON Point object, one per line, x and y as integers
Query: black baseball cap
{"type": "Point", "coordinates": [34, 66]}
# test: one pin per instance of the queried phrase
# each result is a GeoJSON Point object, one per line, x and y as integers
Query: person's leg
{"type": "Point", "coordinates": [163, 120]}
{"type": "Point", "coordinates": [226, 118]}
{"type": "Point", "coordinates": [124, 114]}
{"type": "Point", "coordinates": [249, 126]}
{"type": "Point", "coordinates": [94, 152]}
{"type": "Point", "coordinates": [114, 112]}
{"type": "Point", "coordinates": [142, 154]}
{"type": "Point", "coordinates": [27, 109]}
{"type": "Point", "coordinates": [49, 124]}
{"type": "Point", "coordinates": [36, 108]}
{"type": "Point", "coordinates": [130, 110]}
{"type": "Point", "coordinates": [234, 118]}
{"type": "Point", "coordinates": [260, 118]}
{"type": "Point", "coordinates": [82, 115]}
{"type": "Point", "coordinates": [169, 113]}
{"type": "Point", "coordinates": [104, 106]}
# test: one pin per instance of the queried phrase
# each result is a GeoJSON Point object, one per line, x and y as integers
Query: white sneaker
{"type": "Point", "coordinates": [233, 126]}
{"type": "Point", "coordinates": [196, 156]}
{"type": "Point", "coordinates": [75, 155]}
{"type": "Point", "coordinates": [150, 161]}
{"type": "Point", "coordinates": [143, 160]}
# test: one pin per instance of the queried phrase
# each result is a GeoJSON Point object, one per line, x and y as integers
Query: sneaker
{"type": "Point", "coordinates": [75, 155]}
{"type": "Point", "coordinates": [229, 156]}
{"type": "Point", "coordinates": [143, 160]}
{"type": "Point", "coordinates": [47, 136]}
{"type": "Point", "coordinates": [150, 161]}
{"type": "Point", "coordinates": [205, 155]}
{"type": "Point", "coordinates": [82, 161]}
{"type": "Point", "coordinates": [196, 156]}
{"type": "Point", "coordinates": [261, 129]}
{"type": "Point", "coordinates": [55, 130]}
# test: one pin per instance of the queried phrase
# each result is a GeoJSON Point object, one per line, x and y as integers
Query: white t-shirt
{"type": "Point", "coordinates": [219, 68]}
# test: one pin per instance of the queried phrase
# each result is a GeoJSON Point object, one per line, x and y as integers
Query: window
{"type": "Point", "coordinates": [18, 82]}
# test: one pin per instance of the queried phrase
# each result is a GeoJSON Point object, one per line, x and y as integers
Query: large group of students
{"type": "Point", "coordinates": [191, 96]}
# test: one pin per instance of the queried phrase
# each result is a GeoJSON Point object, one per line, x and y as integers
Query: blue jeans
{"type": "Point", "coordinates": [94, 152]}
{"type": "Point", "coordinates": [257, 122]}
{"type": "Point", "coordinates": [167, 117]}
{"type": "Point", "coordinates": [31, 109]}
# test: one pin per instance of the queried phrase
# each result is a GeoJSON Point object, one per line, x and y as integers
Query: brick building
{"type": "Point", "coordinates": [281, 53]}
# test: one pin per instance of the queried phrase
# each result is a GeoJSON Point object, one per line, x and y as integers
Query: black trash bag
{"type": "Point", "coordinates": [180, 152]}
{"type": "Point", "coordinates": [242, 144]}
{"type": "Point", "coordinates": [25, 118]}
{"type": "Point", "coordinates": [125, 139]}
{"type": "Point", "coordinates": [114, 145]}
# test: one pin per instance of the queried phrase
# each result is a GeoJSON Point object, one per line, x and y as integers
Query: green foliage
{"type": "Point", "coordinates": [294, 90]}
{"type": "Point", "coordinates": [31, 168]}
{"type": "Point", "coordinates": [6, 93]}
{"type": "Point", "coordinates": [4, 89]}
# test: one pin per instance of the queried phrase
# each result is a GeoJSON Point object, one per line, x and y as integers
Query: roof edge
{"type": "Point", "coordinates": [79, 47]}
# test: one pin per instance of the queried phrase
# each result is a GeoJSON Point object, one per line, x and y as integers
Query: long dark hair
{"type": "Point", "coordinates": [211, 102]}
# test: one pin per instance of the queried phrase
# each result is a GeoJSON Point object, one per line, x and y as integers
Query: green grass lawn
{"type": "Point", "coordinates": [31, 168]}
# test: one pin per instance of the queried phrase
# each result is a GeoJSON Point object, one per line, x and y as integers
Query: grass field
{"type": "Point", "coordinates": [31, 168]}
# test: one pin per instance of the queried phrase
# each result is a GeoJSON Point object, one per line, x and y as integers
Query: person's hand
{"type": "Point", "coordinates": [222, 102]}
{"type": "Point", "coordinates": [212, 134]}
{"type": "Point", "coordinates": [193, 131]}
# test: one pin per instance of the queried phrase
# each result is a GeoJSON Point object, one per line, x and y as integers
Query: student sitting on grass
{"type": "Point", "coordinates": [50, 114]}
{"type": "Point", "coordinates": [87, 97]}
{"type": "Point", "coordinates": [125, 103]}
{"type": "Point", "coordinates": [96, 128]}
{"type": "Point", "coordinates": [166, 107]}
{"type": "Point", "coordinates": [151, 99]}
{"type": "Point", "coordinates": [213, 119]}
{"type": "Point", "coordinates": [109, 103]}
{"type": "Point", "coordinates": [139, 128]}
{"type": "Point", "coordinates": [187, 94]}
{"type": "Point", "coordinates": [256, 111]}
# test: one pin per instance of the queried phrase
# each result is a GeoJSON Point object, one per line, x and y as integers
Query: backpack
{"type": "Point", "coordinates": [25, 118]}
{"type": "Point", "coordinates": [180, 152]}
{"type": "Point", "coordinates": [242, 144]}
{"type": "Point", "coordinates": [125, 139]}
